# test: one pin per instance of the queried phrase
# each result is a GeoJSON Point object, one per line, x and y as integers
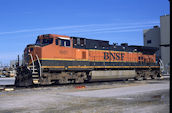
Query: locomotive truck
{"type": "Point", "coordinates": [59, 59]}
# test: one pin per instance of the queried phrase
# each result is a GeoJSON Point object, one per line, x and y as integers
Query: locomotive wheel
{"type": "Point", "coordinates": [139, 76]}
{"type": "Point", "coordinates": [81, 76]}
{"type": "Point", "coordinates": [63, 80]}
{"type": "Point", "coordinates": [145, 77]}
{"type": "Point", "coordinates": [79, 80]}
{"type": "Point", "coordinates": [154, 75]}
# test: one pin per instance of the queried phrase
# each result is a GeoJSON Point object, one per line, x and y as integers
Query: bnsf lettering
{"type": "Point", "coordinates": [113, 56]}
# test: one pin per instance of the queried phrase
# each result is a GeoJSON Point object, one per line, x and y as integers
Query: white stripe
{"type": "Point", "coordinates": [64, 38]}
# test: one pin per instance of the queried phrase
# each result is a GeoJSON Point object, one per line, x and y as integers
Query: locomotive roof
{"type": "Point", "coordinates": [104, 45]}
{"type": "Point", "coordinates": [145, 49]}
{"type": "Point", "coordinates": [90, 39]}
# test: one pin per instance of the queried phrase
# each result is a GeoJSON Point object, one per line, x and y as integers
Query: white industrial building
{"type": "Point", "coordinates": [160, 37]}
{"type": "Point", "coordinates": [152, 38]}
{"type": "Point", "coordinates": [165, 41]}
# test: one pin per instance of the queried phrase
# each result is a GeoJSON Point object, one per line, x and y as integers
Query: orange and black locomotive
{"type": "Point", "coordinates": [63, 59]}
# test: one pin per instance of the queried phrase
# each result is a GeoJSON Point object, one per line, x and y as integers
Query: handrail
{"type": "Point", "coordinates": [39, 64]}
{"type": "Point", "coordinates": [161, 65]}
{"type": "Point", "coordinates": [32, 63]}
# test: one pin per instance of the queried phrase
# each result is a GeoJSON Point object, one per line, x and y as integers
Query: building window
{"type": "Point", "coordinates": [149, 41]}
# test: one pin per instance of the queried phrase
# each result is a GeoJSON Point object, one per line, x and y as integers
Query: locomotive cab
{"type": "Point", "coordinates": [44, 45]}
{"type": "Point", "coordinates": [44, 40]}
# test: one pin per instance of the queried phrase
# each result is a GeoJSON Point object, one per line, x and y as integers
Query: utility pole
{"type": "Point", "coordinates": [18, 60]}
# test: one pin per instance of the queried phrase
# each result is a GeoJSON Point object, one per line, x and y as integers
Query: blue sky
{"type": "Point", "coordinates": [119, 21]}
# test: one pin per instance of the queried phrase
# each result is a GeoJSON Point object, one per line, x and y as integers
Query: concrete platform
{"type": "Point", "coordinates": [124, 91]}
{"type": "Point", "coordinates": [148, 96]}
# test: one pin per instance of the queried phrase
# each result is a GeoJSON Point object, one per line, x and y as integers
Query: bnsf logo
{"type": "Point", "coordinates": [113, 56]}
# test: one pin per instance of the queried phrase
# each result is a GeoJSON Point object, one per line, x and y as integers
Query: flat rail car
{"type": "Point", "coordinates": [63, 59]}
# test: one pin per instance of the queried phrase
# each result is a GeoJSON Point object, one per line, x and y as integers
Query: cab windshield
{"type": "Point", "coordinates": [44, 42]}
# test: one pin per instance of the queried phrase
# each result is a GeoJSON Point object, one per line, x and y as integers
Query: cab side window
{"type": "Point", "coordinates": [68, 43]}
{"type": "Point", "coordinates": [62, 42]}
{"type": "Point", "coordinates": [65, 43]}
{"type": "Point", "coordinates": [57, 42]}
{"type": "Point", "coordinates": [47, 41]}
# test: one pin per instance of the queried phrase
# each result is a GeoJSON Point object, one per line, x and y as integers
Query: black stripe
{"type": "Point", "coordinates": [87, 63]}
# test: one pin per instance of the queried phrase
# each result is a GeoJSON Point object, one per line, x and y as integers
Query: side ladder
{"type": "Point", "coordinates": [36, 73]}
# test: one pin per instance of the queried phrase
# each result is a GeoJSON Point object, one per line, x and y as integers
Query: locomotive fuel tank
{"type": "Point", "coordinates": [112, 75]}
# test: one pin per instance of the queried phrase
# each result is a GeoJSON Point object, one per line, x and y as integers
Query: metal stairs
{"type": "Point", "coordinates": [35, 69]}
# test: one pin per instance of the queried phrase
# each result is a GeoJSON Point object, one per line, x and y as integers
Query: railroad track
{"type": "Point", "coordinates": [78, 85]}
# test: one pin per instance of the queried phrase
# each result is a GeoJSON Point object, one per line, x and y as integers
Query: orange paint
{"type": "Point", "coordinates": [54, 51]}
